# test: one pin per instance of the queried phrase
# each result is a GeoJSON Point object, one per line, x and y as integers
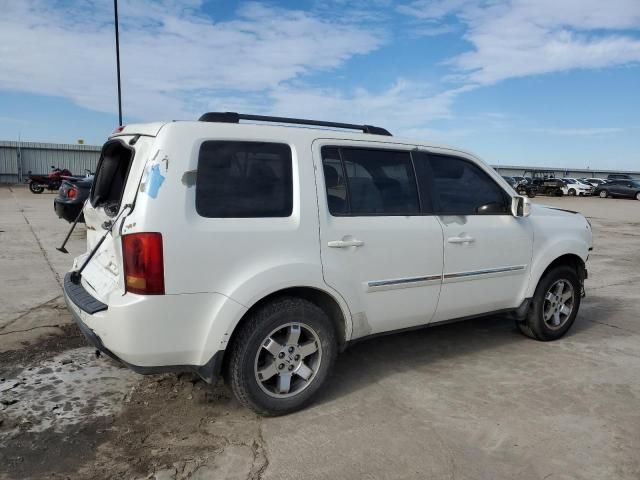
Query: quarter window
{"type": "Point", "coordinates": [378, 182]}
{"type": "Point", "coordinates": [244, 179]}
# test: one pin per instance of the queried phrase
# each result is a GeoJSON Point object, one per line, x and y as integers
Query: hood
{"type": "Point", "coordinates": [549, 210]}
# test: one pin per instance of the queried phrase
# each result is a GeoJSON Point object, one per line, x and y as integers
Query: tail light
{"type": "Point", "coordinates": [72, 192]}
{"type": "Point", "coordinates": [143, 263]}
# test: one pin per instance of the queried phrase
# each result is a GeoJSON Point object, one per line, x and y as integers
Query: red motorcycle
{"type": "Point", "coordinates": [37, 183]}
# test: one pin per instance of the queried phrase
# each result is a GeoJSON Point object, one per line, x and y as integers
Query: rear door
{"type": "Point", "coordinates": [487, 251]}
{"type": "Point", "coordinates": [115, 185]}
{"type": "Point", "coordinates": [379, 250]}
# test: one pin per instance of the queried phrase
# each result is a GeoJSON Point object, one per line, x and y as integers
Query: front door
{"type": "Point", "coordinates": [487, 251]}
{"type": "Point", "coordinates": [379, 250]}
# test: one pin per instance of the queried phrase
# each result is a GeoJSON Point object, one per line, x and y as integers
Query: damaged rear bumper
{"type": "Point", "coordinates": [80, 302]}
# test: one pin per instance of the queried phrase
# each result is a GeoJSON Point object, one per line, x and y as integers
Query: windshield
{"type": "Point", "coordinates": [569, 180]}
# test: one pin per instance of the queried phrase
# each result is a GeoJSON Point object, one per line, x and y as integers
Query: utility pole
{"type": "Point", "coordinates": [115, 11]}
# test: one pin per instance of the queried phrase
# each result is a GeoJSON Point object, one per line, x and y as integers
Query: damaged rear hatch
{"type": "Point", "coordinates": [112, 198]}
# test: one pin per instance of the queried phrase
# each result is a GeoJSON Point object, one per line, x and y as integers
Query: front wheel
{"type": "Point", "coordinates": [281, 356]}
{"type": "Point", "coordinates": [572, 193]}
{"type": "Point", "coordinates": [35, 188]}
{"type": "Point", "coordinates": [638, 196]}
{"type": "Point", "coordinates": [554, 305]}
{"type": "Point", "coordinates": [604, 194]}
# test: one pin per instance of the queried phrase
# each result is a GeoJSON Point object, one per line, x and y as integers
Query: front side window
{"type": "Point", "coordinates": [244, 179]}
{"type": "Point", "coordinates": [459, 187]}
{"type": "Point", "coordinates": [363, 181]}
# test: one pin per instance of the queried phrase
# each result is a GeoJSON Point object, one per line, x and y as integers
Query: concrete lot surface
{"type": "Point", "coordinates": [473, 400]}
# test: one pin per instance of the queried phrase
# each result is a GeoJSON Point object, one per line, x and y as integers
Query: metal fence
{"type": "Point", "coordinates": [17, 159]}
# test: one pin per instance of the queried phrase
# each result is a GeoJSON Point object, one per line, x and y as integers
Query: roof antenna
{"type": "Point", "coordinates": [115, 11]}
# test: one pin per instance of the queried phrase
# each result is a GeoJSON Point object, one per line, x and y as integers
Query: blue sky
{"type": "Point", "coordinates": [542, 82]}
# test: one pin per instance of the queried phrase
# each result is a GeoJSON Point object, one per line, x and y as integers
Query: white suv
{"type": "Point", "coordinates": [259, 251]}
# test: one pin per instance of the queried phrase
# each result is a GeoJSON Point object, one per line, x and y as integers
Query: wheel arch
{"type": "Point", "coordinates": [337, 312]}
{"type": "Point", "coordinates": [572, 260]}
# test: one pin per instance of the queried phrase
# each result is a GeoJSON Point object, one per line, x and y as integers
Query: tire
{"type": "Point", "coordinates": [531, 194]}
{"type": "Point", "coordinates": [538, 324]}
{"type": "Point", "coordinates": [559, 192]}
{"type": "Point", "coordinates": [274, 324]}
{"type": "Point", "coordinates": [35, 188]}
{"type": "Point", "coordinates": [603, 194]}
{"type": "Point", "coordinates": [572, 192]}
{"type": "Point", "coordinates": [638, 196]}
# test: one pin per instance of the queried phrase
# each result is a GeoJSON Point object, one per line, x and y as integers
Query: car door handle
{"type": "Point", "coordinates": [464, 239]}
{"type": "Point", "coordinates": [345, 243]}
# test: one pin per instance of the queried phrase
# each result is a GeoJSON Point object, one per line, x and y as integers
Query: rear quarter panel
{"type": "Point", "coordinates": [244, 259]}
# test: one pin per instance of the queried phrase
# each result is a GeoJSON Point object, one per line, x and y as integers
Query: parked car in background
{"type": "Point", "coordinates": [574, 187]}
{"type": "Point", "coordinates": [71, 197]}
{"type": "Point", "coordinates": [619, 176]}
{"type": "Point", "coordinates": [259, 251]}
{"type": "Point", "coordinates": [594, 182]}
{"type": "Point", "coordinates": [546, 183]}
{"type": "Point", "coordinates": [619, 188]}
{"type": "Point", "coordinates": [511, 181]}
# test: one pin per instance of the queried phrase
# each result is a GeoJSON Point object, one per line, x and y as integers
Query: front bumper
{"type": "Point", "coordinates": [80, 302]}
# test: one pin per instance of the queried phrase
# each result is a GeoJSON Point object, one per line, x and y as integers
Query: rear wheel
{"type": "Point", "coordinates": [638, 196]}
{"type": "Point", "coordinates": [35, 188]}
{"type": "Point", "coordinates": [281, 356]}
{"type": "Point", "coordinates": [604, 194]}
{"type": "Point", "coordinates": [554, 305]}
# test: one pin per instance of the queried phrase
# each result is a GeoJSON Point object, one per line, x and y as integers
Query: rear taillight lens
{"type": "Point", "coordinates": [72, 193]}
{"type": "Point", "coordinates": [143, 263]}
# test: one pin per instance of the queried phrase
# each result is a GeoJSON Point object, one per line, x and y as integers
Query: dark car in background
{"type": "Point", "coordinates": [619, 188]}
{"type": "Point", "coordinates": [511, 181]}
{"type": "Point", "coordinates": [619, 176]}
{"type": "Point", "coordinates": [71, 197]}
{"type": "Point", "coordinates": [521, 185]}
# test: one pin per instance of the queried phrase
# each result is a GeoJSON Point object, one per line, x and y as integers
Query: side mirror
{"type": "Point", "coordinates": [520, 207]}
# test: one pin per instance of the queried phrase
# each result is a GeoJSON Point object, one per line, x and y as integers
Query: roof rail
{"type": "Point", "coordinates": [233, 117]}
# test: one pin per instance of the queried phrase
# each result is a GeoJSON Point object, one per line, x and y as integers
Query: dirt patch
{"type": "Point", "coordinates": [45, 348]}
{"type": "Point", "coordinates": [177, 426]}
{"type": "Point", "coordinates": [66, 413]}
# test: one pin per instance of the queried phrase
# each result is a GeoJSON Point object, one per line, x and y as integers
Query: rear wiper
{"type": "Point", "coordinates": [108, 225]}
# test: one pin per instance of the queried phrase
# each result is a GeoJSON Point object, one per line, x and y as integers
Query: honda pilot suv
{"type": "Point", "coordinates": [258, 251]}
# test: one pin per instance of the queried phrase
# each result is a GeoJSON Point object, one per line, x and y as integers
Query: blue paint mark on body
{"type": "Point", "coordinates": [155, 181]}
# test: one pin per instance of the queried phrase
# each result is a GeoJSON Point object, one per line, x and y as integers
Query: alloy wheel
{"type": "Point", "coordinates": [288, 360]}
{"type": "Point", "coordinates": [558, 304]}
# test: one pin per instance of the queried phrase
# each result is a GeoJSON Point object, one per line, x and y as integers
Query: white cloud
{"type": "Point", "coordinates": [171, 53]}
{"type": "Point", "coordinates": [529, 37]}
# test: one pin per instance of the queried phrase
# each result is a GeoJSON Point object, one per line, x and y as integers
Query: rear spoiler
{"type": "Point", "coordinates": [141, 129]}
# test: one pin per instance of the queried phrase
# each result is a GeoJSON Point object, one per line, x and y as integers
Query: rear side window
{"type": "Point", "coordinates": [459, 187]}
{"type": "Point", "coordinates": [378, 182]}
{"type": "Point", "coordinates": [244, 179]}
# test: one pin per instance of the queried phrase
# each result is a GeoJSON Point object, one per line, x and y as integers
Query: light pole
{"type": "Point", "coordinates": [115, 11]}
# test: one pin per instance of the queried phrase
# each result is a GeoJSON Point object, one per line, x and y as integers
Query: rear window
{"type": "Point", "coordinates": [244, 179]}
{"type": "Point", "coordinates": [111, 176]}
